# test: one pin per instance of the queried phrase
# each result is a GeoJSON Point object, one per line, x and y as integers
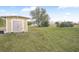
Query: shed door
{"type": "Point", "coordinates": [17, 26]}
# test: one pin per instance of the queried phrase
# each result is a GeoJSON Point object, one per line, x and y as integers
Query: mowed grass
{"type": "Point", "coordinates": [42, 39]}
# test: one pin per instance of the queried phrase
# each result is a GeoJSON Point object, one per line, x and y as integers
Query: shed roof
{"type": "Point", "coordinates": [15, 16]}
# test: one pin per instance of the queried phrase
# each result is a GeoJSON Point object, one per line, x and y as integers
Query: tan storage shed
{"type": "Point", "coordinates": [16, 24]}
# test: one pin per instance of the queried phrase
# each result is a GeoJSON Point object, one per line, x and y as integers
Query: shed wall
{"type": "Point", "coordinates": [9, 24]}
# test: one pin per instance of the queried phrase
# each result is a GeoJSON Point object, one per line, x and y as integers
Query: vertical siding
{"type": "Point", "coordinates": [9, 24]}
{"type": "Point", "coordinates": [25, 25]}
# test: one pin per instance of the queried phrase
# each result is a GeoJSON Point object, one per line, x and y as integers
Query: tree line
{"type": "Point", "coordinates": [64, 24]}
{"type": "Point", "coordinates": [42, 19]}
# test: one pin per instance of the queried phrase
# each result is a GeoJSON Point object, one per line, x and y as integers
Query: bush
{"type": "Point", "coordinates": [66, 24]}
{"type": "Point", "coordinates": [29, 23]}
{"type": "Point", "coordinates": [57, 24]}
{"type": "Point", "coordinates": [45, 24]}
{"type": "Point", "coordinates": [2, 22]}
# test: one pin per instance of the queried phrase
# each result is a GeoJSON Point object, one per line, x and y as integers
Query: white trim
{"type": "Point", "coordinates": [6, 28]}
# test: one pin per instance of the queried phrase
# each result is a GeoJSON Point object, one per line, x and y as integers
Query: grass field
{"type": "Point", "coordinates": [42, 39]}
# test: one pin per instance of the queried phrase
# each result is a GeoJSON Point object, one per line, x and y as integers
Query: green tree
{"type": "Point", "coordinates": [2, 22]}
{"type": "Point", "coordinates": [41, 17]}
{"type": "Point", "coordinates": [57, 24]}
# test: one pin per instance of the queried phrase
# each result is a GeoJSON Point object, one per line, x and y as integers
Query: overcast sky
{"type": "Point", "coordinates": [56, 13]}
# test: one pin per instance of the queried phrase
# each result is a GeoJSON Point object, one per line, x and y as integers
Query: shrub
{"type": "Point", "coordinates": [57, 24]}
{"type": "Point", "coordinates": [29, 23]}
{"type": "Point", "coordinates": [45, 24]}
{"type": "Point", "coordinates": [2, 22]}
{"type": "Point", "coordinates": [66, 24]}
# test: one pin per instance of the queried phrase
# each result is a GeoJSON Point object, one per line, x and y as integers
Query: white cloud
{"type": "Point", "coordinates": [28, 9]}
{"type": "Point", "coordinates": [61, 18]}
{"type": "Point", "coordinates": [67, 14]}
{"type": "Point", "coordinates": [32, 8]}
{"type": "Point", "coordinates": [25, 9]}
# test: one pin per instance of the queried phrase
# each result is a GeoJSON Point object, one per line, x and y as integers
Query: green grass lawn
{"type": "Point", "coordinates": [42, 39]}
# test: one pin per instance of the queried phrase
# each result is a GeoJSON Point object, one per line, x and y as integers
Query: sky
{"type": "Point", "coordinates": [56, 13]}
